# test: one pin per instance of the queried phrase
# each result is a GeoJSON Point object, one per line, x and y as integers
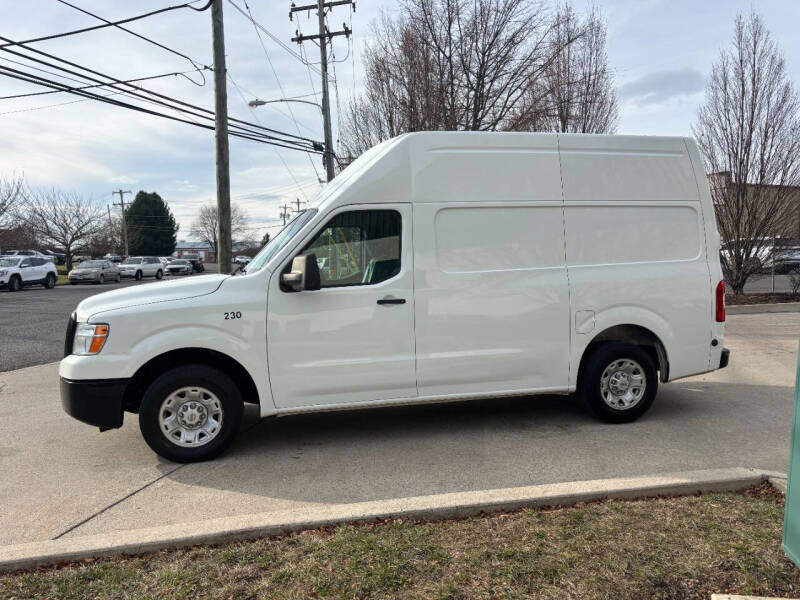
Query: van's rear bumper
{"type": "Point", "coordinates": [724, 357]}
{"type": "Point", "coordinates": [97, 402]}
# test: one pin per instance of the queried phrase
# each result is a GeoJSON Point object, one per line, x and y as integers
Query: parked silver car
{"type": "Point", "coordinates": [94, 271]}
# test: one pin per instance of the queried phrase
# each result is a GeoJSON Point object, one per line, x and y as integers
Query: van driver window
{"type": "Point", "coordinates": [360, 247]}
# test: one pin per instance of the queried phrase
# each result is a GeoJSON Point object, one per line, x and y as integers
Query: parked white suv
{"type": "Point", "coordinates": [36, 253]}
{"type": "Point", "coordinates": [18, 271]}
{"type": "Point", "coordinates": [141, 266]}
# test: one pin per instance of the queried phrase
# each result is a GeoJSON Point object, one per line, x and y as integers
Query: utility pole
{"type": "Point", "coordinates": [298, 203]}
{"type": "Point", "coordinates": [323, 37]}
{"type": "Point", "coordinates": [224, 246]}
{"type": "Point", "coordinates": [121, 204]}
{"type": "Point", "coordinates": [285, 214]}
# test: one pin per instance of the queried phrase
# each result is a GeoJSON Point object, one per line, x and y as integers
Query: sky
{"type": "Point", "coordinates": [661, 52]}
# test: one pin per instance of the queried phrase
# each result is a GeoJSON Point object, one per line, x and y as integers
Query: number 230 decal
{"type": "Point", "coordinates": [233, 315]}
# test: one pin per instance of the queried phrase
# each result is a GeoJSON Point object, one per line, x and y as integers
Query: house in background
{"type": "Point", "coordinates": [788, 222]}
{"type": "Point", "coordinates": [204, 249]}
{"type": "Point", "coordinates": [206, 252]}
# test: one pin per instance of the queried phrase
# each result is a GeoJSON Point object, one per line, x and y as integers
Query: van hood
{"type": "Point", "coordinates": [150, 293]}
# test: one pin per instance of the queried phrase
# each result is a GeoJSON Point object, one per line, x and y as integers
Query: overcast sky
{"type": "Point", "coordinates": [660, 50]}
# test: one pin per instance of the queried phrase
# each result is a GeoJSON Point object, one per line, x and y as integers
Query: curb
{"type": "Point", "coordinates": [755, 309]}
{"type": "Point", "coordinates": [439, 506]}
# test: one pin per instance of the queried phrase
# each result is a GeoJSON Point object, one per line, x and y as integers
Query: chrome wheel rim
{"type": "Point", "coordinates": [622, 384]}
{"type": "Point", "coordinates": [191, 417]}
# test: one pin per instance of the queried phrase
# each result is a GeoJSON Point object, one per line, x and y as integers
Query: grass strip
{"type": "Point", "coordinates": [685, 547]}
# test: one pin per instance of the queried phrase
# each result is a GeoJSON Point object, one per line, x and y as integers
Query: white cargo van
{"type": "Point", "coordinates": [438, 266]}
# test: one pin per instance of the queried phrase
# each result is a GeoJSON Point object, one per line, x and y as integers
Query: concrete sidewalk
{"type": "Point", "coordinates": [441, 506]}
{"type": "Point", "coordinates": [63, 479]}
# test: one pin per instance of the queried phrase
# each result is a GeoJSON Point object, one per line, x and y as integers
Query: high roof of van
{"type": "Point", "coordinates": [444, 166]}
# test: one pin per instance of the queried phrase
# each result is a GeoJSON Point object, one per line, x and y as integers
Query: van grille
{"type": "Point", "coordinates": [72, 325]}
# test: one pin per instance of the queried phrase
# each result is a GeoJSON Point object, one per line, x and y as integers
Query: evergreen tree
{"type": "Point", "coordinates": [152, 230]}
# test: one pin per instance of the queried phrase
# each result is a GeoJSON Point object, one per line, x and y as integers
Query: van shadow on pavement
{"type": "Point", "coordinates": [407, 451]}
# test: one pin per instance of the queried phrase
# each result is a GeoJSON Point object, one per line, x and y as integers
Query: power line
{"type": "Point", "coordinates": [107, 23]}
{"type": "Point", "coordinates": [32, 108]}
{"type": "Point", "coordinates": [86, 87]}
{"type": "Point", "coordinates": [277, 80]}
{"type": "Point", "coordinates": [244, 133]}
{"type": "Point", "coordinates": [193, 109]}
{"type": "Point", "coordinates": [324, 36]}
{"type": "Point", "coordinates": [116, 81]}
{"type": "Point", "coordinates": [288, 170]}
{"type": "Point", "coordinates": [274, 38]}
{"type": "Point", "coordinates": [193, 62]}
{"type": "Point", "coordinates": [272, 105]}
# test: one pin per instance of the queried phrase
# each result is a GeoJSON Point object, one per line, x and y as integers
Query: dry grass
{"type": "Point", "coordinates": [765, 298]}
{"type": "Point", "coordinates": [659, 548]}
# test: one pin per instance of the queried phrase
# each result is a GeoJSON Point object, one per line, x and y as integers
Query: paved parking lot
{"type": "Point", "coordinates": [34, 320]}
{"type": "Point", "coordinates": [62, 478]}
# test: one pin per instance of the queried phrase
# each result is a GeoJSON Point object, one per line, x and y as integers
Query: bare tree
{"type": "Point", "coordinates": [206, 224]}
{"type": "Point", "coordinates": [108, 240]}
{"type": "Point", "coordinates": [451, 65]}
{"type": "Point", "coordinates": [481, 65]}
{"type": "Point", "coordinates": [576, 90]}
{"type": "Point", "coordinates": [749, 132]}
{"type": "Point", "coordinates": [63, 220]}
{"type": "Point", "coordinates": [11, 194]}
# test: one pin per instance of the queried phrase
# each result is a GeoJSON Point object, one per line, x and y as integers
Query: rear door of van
{"type": "Point", "coordinates": [491, 297]}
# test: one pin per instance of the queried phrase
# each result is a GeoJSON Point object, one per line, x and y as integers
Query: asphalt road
{"type": "Point", "coordinates": [62, 478]}
{"type": "Point", "coordinates": [33, 321]}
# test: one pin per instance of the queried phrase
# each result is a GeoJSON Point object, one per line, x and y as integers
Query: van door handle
{"type": "Point", "coordinates": [391, 300]}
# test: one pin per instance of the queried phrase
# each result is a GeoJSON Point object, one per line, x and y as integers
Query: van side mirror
{"type": "Point", "coordinates": [304, 274]}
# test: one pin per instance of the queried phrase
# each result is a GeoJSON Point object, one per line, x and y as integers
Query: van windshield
{"type": "Point", "coordinates": [280, 240]}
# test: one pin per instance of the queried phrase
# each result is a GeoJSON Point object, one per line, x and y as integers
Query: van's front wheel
{"type": "Point", "coordinates": [618, 382]}
{"type": "Point", "coordinates": [190, 413]}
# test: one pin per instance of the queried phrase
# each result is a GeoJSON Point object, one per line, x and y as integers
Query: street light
{"type": "Point", "coordinates": [257, 102]}
{"type": "Point", "coordinates": [254, 103]}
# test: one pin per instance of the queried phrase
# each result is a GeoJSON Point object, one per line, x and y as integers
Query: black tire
{"type": "Point", "coordinates": [50, 281]}
{"type": "Point", "coordinates": [204, 376]}
{"type": "Point", "coordinates": [138, 276]}
{"type": "Point", "coordinates": [14, 284]}
{"type": "Point", "coordinates": [159, 274]}
{"type": "Point", "coordinates": [73, 283]}
{"type": "Point", "coordinates": [590, 384]}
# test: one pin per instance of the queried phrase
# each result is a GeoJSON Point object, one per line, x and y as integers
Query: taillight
{"type": "Point", "coordinates": [720, 303]}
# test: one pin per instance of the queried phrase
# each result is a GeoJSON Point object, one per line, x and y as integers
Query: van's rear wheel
{"type": "Point", "coordinates": [618, 382]}
{"type": "Point", "coordinates": [190, 413]}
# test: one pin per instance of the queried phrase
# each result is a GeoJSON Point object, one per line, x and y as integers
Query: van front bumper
{"type": "Point", "coordinates": [97, 402]}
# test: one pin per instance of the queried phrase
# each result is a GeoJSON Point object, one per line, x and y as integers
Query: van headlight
{"type": "Point", "coordinates": [89, 338]}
